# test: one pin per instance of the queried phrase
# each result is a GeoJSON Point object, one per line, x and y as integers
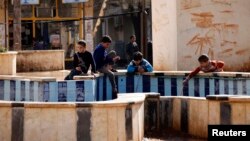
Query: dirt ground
{"type": "Point", "coordinates": [170, 135]}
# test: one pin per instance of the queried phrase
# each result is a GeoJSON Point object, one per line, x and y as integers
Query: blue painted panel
{"type": "Point", "coordinates": [36, 91]}
{"type": "Point", "coordinates": [27, 90]}
{"type": "Point", "coordinates": [211, 86]}
{"type": "Point", "coordinates": [179, 86]}
{"type": "Point", "coordinates": [222, 86]}
{"type": "Point", "coordinates": [239, 87]}
{"type": "Point", "coordinates": [202, 87]}
{"type": "Point", "coordinates": [248, 87]}
{"type": "Point", "coordinates": [122, 84]}
{"type": "Point", "coordinates": [146, 83]}
{"type": "Point", "coordinates": [71, 91]}
{"type": "Point", "coordinates": [62, 91]}
{"type": "Point", "coordinates": [231, 86]}
{"type": "Point", "coordinates": [235, 87]}
{"type": "Point", "coordinates": [154, 84]}
{"type": "Point", "coordinates": [108, 89]}
{"type": "Point", "coordinates": [89, 86]}
{"type": "Point", "coordinates": [167, 86]}
{"type": "Point", "coordinates": [53, 91]}
{"type": "Point", "coordinates": [191, 87]}
{"type": "Point", "coordinates": [80, 94]}
{"type": "Point", "coordinates": [244, 87]}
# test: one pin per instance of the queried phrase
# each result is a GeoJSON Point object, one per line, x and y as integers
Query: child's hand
{"type": "Point", "coordinates": [78, 68]}
{"type": "Point", "coordinates": [141, 69]}
{"type": "Point", "coordinates": [116, 58]}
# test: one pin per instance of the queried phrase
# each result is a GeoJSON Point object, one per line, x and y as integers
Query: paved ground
{"type": "Point", "coordinates": [171, 135]}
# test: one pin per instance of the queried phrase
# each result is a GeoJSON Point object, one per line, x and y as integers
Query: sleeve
{"type": "Point", "coordinates": [92, 62]}
{"type": "Point", "coordinates": [147, 67]}
{"type": "Point", "coordinates": [99, 56]}
{"type": "Point", "coordinates": [132, 68]}
{"type": "Point", "coordinates": [193, 73]}
{"type": "Point", "coordinates": [220, 64]}
{"type": "Point", "coordinates": [75, 61]}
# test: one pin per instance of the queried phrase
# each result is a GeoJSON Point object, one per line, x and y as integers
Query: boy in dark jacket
{"type": "Point", "coordinates": [206, 65]}
{"type": "Point", "coordinates": [82, 61]}
{"type": "Point", "coordinates": [139, 64]}
{"type": "Point", "coordinates": [103, 61]}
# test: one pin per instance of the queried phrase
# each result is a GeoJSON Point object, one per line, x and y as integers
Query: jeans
{"type": "Point", "coordinates": [73, 73]}
{"type": "Point", "coordinates": [105, 69]}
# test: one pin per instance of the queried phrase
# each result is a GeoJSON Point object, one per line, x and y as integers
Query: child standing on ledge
{"type": "Point", "coordinates": [206, 65]}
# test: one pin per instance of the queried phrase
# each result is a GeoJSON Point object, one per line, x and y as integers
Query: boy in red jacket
{"type": "Point", "coordinates": [206, 65]}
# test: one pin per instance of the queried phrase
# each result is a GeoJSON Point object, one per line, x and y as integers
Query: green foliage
{"type": "Point", "coordinates": [2, 49]}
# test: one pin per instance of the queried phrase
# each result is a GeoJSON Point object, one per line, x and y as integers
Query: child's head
{"type": "Point", "coordinates": [203, 60]}
{"type": "Point", "coordinates": [132, 38]}
{"type": "Point", "coordinates": [138, 58]}
{"type": "Point", "coordinates": [81, 45]}
{"type": "Point", "coordinates": [106, 41]}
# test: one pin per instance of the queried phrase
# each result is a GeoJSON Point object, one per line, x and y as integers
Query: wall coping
{"type": "Point", "coordinates": [123, 72]}
{"type": "Point", "coordinates": [122, 101]}
{"type": "Point", "coordinates": [9, 53]}
{"type": "Point", "coordinates": [39, 51]}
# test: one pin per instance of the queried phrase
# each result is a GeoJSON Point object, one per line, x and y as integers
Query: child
{"type": "Point", "coordinates": [103, 61]}
{"type": "Point", "coordinates": [139, 64]}
{"type": "Point", "coordinates": [82, 61]}
{"type": "Point", "coordinates": [206, 65]}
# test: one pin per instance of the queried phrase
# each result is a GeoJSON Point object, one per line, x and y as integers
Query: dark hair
{"type": "Point", "coordinates": [138, 56]}
{"type": "Point", "coordinates": [132, 36]}
{"type": "Point", "coordinates": [82, 43]}
{"type": "Point", "coordinates": [203, 58]}
{"type": "Point", "coordinates": [106, 39]}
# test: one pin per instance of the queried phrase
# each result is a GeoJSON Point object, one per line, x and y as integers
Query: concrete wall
{"type": "Point", "coordinates": [8, 63]}
{"type": "Point", "coordinates": [164, 26]}
{"type": "Point", "coordinates": [117, 120]}
{"type": "Point", "coordinates": [46, 60]}
{"type": "Point", "coordinates": [218, 28]}
{"type": "Point", "coordinates": [193, 115]}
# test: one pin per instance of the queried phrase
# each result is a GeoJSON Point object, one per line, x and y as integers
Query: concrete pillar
{"type": "Point", "coordinates": [17, 25]}
{"type": "Point", "coordinates": [164, 26]}
{"type": "Point", "coordinates": [3, 25]}
{"type": "Point", "coordinates": [88, 34]}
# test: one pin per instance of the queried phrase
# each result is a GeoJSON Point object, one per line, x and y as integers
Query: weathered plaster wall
{"type": "Point", "coordinates": [219, 28]}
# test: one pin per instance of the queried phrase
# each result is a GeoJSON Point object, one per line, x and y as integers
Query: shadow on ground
{"type": "Point", "coordinates": [170, 135]}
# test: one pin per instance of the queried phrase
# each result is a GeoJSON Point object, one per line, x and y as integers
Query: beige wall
{"type": "Point", "coordinates": [46, 60]}
{"type": "Point", "coordinates": [219, 28]}
{"type": "Point", "coordinates": [164, 27]}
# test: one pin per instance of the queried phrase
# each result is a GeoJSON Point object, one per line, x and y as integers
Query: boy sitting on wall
{"type": "Point", "coordinates": [139, 64]}
{"type": "Point", "coordinates": [206, 65]}
{"type": "Point", "coordinates": [82, 61]}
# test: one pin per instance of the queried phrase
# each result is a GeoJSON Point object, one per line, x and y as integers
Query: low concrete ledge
{"type": "Point", "coordinates": [27, 78]}
{"type": "Point", "coordinates": [120, 119]}
{"type": "Point", "coordinates": [44, 60]}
